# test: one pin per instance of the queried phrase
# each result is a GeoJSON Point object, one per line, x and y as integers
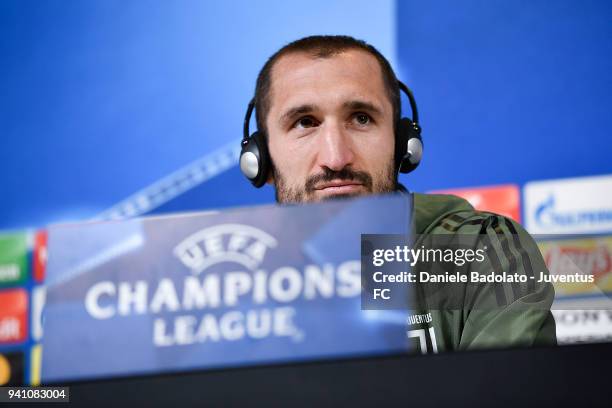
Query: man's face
{"type": "Point", "coordinates": [330, 127]}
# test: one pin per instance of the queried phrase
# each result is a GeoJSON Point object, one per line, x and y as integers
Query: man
{"type": "Point", "coordinates": [328, 108]}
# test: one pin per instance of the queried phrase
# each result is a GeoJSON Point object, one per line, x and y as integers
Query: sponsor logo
{"type": "Point", "coordinates": [37, 301]}
{"type": "Point", "coordinates": [547, 216]}
{"type": "Point", "coordinates": [590, 256]}
{"type": "Point", "coordinates": [13, 258]}
{"type": "Point", "coordinates": [35, 364]}
{"type": "Point", "coordinates": [503, 200]}
{"type": "Point", "coordinates": [9, 273]}
{"type": "Point", "coordinates": [583, 326]}
{"type": "Point", "coordinates": [226, 295]}
{"type": "Point", "coordinates": [13, 316]}
{"type": "Point", "coordinates": [240, 244]}
{"type": "Point", "coordinates": [569, 206]}
{"type": "Point", "coordinates": [40, 256]}
{"type": "Point", "coordinates": [12, 369]}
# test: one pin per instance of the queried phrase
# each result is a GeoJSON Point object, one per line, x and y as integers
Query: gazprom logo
{"type": "Point", "coordinates": [546, 215]}
{"type": "Point", "coordinates": [236, 243]}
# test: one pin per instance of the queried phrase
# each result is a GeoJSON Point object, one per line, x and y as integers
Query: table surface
{"type": "Point", "coordinates": [575, 375]}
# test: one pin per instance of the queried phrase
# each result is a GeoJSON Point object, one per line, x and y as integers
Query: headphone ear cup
{"type": "Point", "coordinates": [409, 146]}
{"type": "Point", "coordinates": [255, 160]}
{"type": "Point", "coordinates": [414, 155]}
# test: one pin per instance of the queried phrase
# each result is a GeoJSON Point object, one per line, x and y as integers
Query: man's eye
{"type": "Point", "coordinates": [306, 122]}
{"type": "Point", "coordinates": [362, 118]}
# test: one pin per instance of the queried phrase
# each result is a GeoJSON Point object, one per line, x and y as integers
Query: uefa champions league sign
{"type": "Point", "coordinates": [239, 287]}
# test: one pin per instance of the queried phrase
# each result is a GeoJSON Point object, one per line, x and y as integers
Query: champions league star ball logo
{"type": "Point", "coordinates": [241, 244]}
{"type": "Point", "coordinates": [229, 294]}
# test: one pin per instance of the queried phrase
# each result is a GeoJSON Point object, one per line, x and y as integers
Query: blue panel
{"type": "Point", "coordinates": [508, 91]}
{"type": "Point", "coordinates": [101, 98]}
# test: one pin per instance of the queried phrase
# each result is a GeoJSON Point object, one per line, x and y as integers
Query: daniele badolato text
{"type": "Point", "coordinates": [438, 258]}
{"type": "Point", "coordinates": [226, 303]}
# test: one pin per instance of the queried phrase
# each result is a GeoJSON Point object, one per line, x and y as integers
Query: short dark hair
{"type": "Point", "coordinates": [323, 46]}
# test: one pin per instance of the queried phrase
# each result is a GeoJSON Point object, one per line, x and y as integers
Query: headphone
{"type": "Point", "coordinates": [255, 160]}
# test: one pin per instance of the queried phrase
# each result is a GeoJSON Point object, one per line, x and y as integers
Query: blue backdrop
{"type": "Point", "coordinates": [101, 99]}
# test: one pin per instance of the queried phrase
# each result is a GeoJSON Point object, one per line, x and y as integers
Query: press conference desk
{"type": "Point", "coordinates": [568, 375]}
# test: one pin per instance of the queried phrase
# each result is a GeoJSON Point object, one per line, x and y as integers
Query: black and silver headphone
{"type": "Point", "coordinates": [255, 159]}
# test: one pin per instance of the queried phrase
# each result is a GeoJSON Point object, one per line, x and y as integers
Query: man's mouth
{"type": "Point", "coordinates": [339, 187]}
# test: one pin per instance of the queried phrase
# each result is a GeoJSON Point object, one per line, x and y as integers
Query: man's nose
{"type": "Point", "coordinates": [336, 149]}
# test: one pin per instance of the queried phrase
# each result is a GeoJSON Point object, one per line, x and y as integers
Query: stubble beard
{"type": "Point", "coordinates": [385, 182]}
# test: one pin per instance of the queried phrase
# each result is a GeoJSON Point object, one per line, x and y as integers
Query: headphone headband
{"type": "Point", "coordinates": [247, 119]}
{"type": "Point", "coordinates": [411, 100]}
